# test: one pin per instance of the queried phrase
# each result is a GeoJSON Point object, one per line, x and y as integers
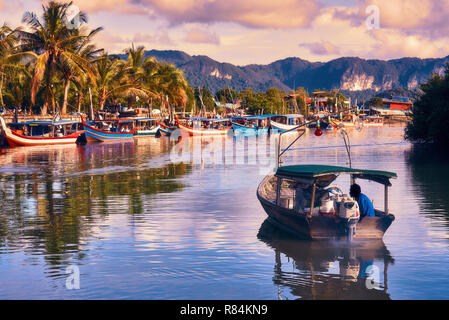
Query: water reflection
{"type": "Point", "coordinates": [327, 270]}
{"type": "Point", "coordinates": [51, 201]}
{"type": "Point", "coordinates": [430, 173]}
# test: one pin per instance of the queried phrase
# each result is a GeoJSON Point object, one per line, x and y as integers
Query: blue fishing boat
{"type": "Point", "coordinates": [251, 125]}
{"type": "Point", "coordinates": [164, 129]}
{"type": "Point", "coordinates": [119, 131]}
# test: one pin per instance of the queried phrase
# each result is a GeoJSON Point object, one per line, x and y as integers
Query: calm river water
{"type": "Point", "coordinates": [146, 221]}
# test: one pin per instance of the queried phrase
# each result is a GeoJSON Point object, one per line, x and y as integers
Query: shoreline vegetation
{"type": "Point", "coordinates": [47, 68]}
{"type": "Point", "coordinates": [430, 114]}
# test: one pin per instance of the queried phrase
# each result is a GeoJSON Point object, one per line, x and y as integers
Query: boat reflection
{"type": "Point", "coordinates": [325, 269]}
{"type": "Point", "coordinates": [53, 199]}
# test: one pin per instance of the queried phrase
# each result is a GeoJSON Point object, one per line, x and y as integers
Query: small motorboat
{"type": "Point", "coordinates": [301, 199]}
{"type": "Point", "coordinates": [41, 133]}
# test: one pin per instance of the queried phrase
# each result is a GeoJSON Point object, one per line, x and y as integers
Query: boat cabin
{"type": "Point", "coordinates": [59, 128]}
{"type": "Point", "coordinates": [311, 182]}
{"type": "Point", "coordinates": [207, 123]}
{"type": "Point", "coordinates": [289, 119]}
{"type": "Point", "coordinates": [256, 122]}
{"type": "Point", "coordinates": [113, 125]}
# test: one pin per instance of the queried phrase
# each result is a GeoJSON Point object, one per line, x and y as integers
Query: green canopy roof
{"type": "Point", "coordinates": [315, 171]}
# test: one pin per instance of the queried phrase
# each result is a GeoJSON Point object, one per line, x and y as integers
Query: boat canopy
{"type": "Point", "coordinates": [44, 123]}
{"type": "Point", "coordinates": [261, 117]}
{"type": "Point", "coordinates": [293, 116]}
{"type": "Point", "coordinates": [144, 119]}
{"type": "Point", "coordinates": [325, 172]}
{"type": "Point", "coordinates": [207, 119]}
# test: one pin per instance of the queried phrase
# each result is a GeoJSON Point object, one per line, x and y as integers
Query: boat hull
{"type": "Point", "coordinates": [165, 130]}
{"type": "Point", "coordinates": [146, 133]}
{"type": "Point", "coordinates": [284, 127]}
{"type": "Point", "coordinates": [16, 140]}
{"type": "Point", "coordinates": [203, 132]}
{"type": "Point", "coordinates": [323, 227]}
{"type": "Point", "coordinates": [96, 135]}
{"type": "Point", "coordinates": [242, 129]}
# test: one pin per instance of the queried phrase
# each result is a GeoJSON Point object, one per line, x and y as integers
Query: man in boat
{"type": "Point", "coordinates": [365, 205]}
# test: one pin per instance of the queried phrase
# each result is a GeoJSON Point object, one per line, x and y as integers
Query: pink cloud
{"type": "Point", "coordinates": [250, 13]}
{"type": "Point", "coordinates": [321, 48]}
{"type": "Point", "coordinates": [420, 17]}
{"type": "Point", "coordinates": [200, 36]}
{"type": "Point", "coordinates": [158, 38]}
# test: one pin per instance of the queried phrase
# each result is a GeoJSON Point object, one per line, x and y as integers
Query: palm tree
{"type": "Point", "coordinates": [18, 85]}
{"type": "Point", "coordinates": [70, 71]}
{"type": "Point", "coordinates": [172, 85]}
{"type": "Point", "coordinates": [8, 55]}
{"type": "Point", "coordinates": [54, 43]}
{"type": "Point", "coordinates": [109, 73]}
{"type": "Point", "coordinates": [135, 73]}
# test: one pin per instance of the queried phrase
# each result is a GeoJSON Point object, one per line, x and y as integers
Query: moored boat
{"type": "Point", "coordinates": [205, 126]}
{"type": "Point", "coordinates": [165, 129]}
{"type": "Point", "coordinates": [251, 125]}
{"type": "Point", "coordinates": [146, 127]}
{"type": "Point", "coordinates": [289, 122]}
{"type": "Point", "coordinates": [40, 133]}
{"type": "Point", "coordinates": [112, 130]}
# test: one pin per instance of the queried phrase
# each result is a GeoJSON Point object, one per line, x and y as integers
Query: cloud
{"type": "Point", "coordinates": [160, 37]}
{"type": "Point", "coordinates": [321, 48]}
{"type": "Point", "coordinates": [200, 36]}
{"type": "Point", "coordinates": [250, 13]}
{"type": "Point", "coordinates": [428, 18]}
{"type": "Point", "coordinates": [393, 44]}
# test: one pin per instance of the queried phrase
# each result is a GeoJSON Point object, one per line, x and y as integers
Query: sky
{"type": "Point", "coordinates": [261, 31]}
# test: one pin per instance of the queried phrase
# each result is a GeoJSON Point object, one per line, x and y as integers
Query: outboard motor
{"type": "Point", "coordinates": [348, 210]}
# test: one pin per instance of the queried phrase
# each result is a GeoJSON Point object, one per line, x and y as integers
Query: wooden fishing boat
{"type": "Point", "coordinates": [40, 133]}
{"type": "Point", "coordinates": [116, 132]}
{"type": "Point", "coordinates": [287, 122]}
{"type": "Point", "coordinates": [145, 127]}
{"type": "Point", "coordinates": [251, 125]}
{"type": "Point", "coordinates": [164, 129]}
{"type": "Point", "coordinates": [300, 198]}
{"type": "Point", "coordinates": [205, 127]}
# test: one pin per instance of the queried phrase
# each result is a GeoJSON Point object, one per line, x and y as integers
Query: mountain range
{"type": "Point", "coordinates": [349, 74]}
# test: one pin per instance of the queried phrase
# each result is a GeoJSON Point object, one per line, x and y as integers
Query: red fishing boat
{"type": "Point", "coordinates": [40, 133]}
